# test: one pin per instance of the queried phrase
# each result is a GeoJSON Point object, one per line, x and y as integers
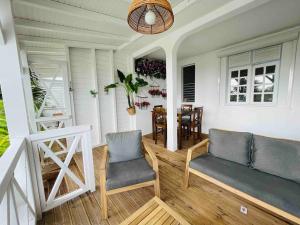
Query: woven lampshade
{"type": "Point", "coordinates": [161, 8]}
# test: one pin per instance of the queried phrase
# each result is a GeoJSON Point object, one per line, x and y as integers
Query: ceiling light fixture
{"type": "Point", "coordinates": [150, 16]}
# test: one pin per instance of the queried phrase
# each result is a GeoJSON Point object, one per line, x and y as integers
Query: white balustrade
{"type": "Point", "coordinates": [17, 196]}
{"type": "Point", "coordinates": [78, 139]}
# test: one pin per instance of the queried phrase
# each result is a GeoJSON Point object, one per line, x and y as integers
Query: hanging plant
{"type": "Point", "coordinates": [130, 88]}
{"type": "Point", "coordinates": [151, 68]}
{"type": "Point", "coordinates": [164, 93]}
{"type": "Point", "coordinates": [154, 91]}
{"type": "Point", "coordinates": [142, 102]}
{"type": "Point", "coordinates": [93, 93]}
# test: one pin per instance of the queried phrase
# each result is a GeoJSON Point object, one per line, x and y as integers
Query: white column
{"type": "Point", "coordinates": [11, 76]}
{"type": "Point", "coordinates": [171, 67]}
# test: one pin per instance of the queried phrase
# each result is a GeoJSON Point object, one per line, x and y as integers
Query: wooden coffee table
{"type": "Point", "coordinates": [155, 212]}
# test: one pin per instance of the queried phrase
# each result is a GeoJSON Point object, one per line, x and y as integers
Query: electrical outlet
{"type": "Point", "coordinates": [244, 210]}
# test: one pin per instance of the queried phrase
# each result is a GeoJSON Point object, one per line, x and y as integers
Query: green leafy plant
{"type": "Point", "coordinates": [38, 92]}
{"type": "Point", "coordinates": [130, 86]}
{"type": "Point", "coordinates": [4, 138]}
{"type": "Point", "coordinates": [93, 93]}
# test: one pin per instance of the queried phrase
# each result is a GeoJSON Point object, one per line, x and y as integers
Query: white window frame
{"type": "Point", "coordinates": [182, 84]}
{"type": "Point", "coordinates": [229, 85]}
{"type": "Point", "coordinates": [276, 83]}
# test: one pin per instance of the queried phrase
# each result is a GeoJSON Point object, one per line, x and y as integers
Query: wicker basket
{"type": "Point", "coordinates": [131, 111]}
{"type": "Point", "coordinates": [162, 10]}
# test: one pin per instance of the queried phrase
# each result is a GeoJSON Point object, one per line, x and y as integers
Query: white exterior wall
{"type": "Point", "coordinates": [281, 120]}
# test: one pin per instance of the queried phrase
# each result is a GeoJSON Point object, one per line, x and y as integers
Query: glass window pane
{"type": "Point", "coordinates": [268, 98]}
{"type": "Point", "coordinates": [243, 89]}
{"type": "Point", "coordinates": [258, 88]}
{"type": "Point", "coordinates": [258, 79]}
{"type": "Point", "coordinates": [270, 69]}
{"type": "Point", "coordinates": [259, 71]}
{"type": "Point", "coordinates": [243, 81]}
{"type": "Point", "coordinates": [242, 98]}
{"type": "Point", "coordinates": [234, 82]}
{"type": "Point", "coordinates": [269, 88]}
{"type": "Point", "coordinates": [257, 98]}
{"type": "Point", "coordinates": [234, 90]}
{"type": "Point", "coordinates": [233, 98]}
{"type": "Point", "coordinates": [269, 79]}
{"type": "Point", "coordinates": [243, 73]}
{"type": "Point", "coordinates": [234, 74]}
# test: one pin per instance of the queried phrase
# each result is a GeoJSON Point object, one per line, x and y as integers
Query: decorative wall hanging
{"type": "Point", "coordinates": [164, 93]}
{"type": "Point", "coordinates": [142, 102]}
{"type": "Point", "coordinates": [150, 16]}
{"type": "Point", "coordinates": [154, 91]}
{"type": "Point", "coordinates": [130, 88]}
{"type": "Point", "coordinates": [150, 68]}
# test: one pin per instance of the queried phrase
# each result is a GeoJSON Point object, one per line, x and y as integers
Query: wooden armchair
{"type": "Point", "coordinates": [123, 166]}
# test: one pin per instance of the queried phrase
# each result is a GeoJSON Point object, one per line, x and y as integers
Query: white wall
{"type": "Point", "coordinates": [281, 120]}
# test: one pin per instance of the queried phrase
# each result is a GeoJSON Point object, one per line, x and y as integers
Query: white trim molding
{"type": "Point", "coordinates": [260, 42]}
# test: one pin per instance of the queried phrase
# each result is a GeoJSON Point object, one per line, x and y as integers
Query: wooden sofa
{"type": "Point", "coordinates": [201, 154]}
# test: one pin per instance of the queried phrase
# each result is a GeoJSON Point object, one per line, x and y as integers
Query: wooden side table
{"type": "Point", "coordinates": [155, 212]}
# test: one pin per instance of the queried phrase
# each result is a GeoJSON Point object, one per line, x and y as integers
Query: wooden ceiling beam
{"type": "Point", "coordinates": [42, 26]}
{"type": "Point", "coordinates": [73, 11]}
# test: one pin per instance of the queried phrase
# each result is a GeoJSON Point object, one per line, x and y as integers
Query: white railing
{"type": "Point", "coordinates": [17, 196]}
{"type": "Point", "coordinates": [77, 140]}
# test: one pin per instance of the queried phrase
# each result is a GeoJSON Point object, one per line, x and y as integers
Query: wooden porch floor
{"type": "Point", "coordinates": [203, 203]}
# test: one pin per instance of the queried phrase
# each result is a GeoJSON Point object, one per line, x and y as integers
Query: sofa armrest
{"type": "Point", "coordinates": [197, 150]}
{"type": "Point", "coordinates": [152, 157]}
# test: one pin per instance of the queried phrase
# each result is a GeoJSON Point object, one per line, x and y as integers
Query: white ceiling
{"type": "Point", "coordinates": [102, 24]}
{"type": "Point", "coordinates": [271, 17]}
{"type": "Point", "coordinates": [98, 22]}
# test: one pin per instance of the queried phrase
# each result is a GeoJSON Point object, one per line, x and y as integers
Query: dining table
{"type": "Point", "coordinates": [180, 114]}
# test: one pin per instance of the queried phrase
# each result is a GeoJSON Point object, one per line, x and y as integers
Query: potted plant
{"type": "Point", "coordinates": [130, 86]}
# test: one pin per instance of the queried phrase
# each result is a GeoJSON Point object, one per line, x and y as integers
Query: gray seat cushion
{"type": "Point", "coordinates": [122, 174]}
{"type": "Point", "coordinates": [124, 146]}
{"type": "Point", "coordinates": [276, 191]}
{"type": "Point", "coordinates": [278, 157]}
{"type": "Point", "coordinates": [230, 145]}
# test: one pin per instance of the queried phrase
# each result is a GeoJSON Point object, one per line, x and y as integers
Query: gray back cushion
{"type": "Point", "coordinates": [124, 146]}
{"type": "Point", "coordinates": [230, 145]}
{"type": "Point", "coordinates": [278, 157]}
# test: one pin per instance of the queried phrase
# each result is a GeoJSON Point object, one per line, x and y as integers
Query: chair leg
{"type": "Point", "coordinates": [157, 188]}
{"type": "Point", "coordinates": [103, 195]}
{"type": "Point", "coordinates": [155, 135]}
{"type": "Point", "coordinates": [165, 138]}
{"type": "Point", "coordinates": [186, 178]}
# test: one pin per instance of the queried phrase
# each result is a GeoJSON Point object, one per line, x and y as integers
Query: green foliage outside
{"type": "Point", "coordinates": [4, 139]}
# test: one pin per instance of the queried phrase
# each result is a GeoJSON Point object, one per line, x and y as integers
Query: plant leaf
{"type": "Point", "coordinates": [114, 85]}
{"type": "Point", "coordinates": [121, 76]}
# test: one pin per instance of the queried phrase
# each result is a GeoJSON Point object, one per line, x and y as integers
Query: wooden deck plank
{"type": "Point", "coordinates": [203, 203]}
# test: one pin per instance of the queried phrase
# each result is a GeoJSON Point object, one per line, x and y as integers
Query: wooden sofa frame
{"type": "Point", "coordinates": [104, 193]}
{"type": "Point", "coordinates": [201, 149]}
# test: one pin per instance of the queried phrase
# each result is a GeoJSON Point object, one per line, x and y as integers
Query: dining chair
{"type": "Point", "coordinates": [123, 166]}
{"type": "Point", "coordinates": [197, 122]}
{"type": "Point", "coordinates": [160, 125]}
{"type": "Point", "coordinates": [186, 120]}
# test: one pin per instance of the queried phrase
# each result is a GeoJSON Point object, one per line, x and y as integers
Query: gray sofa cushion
{"type": "Point", "coordinates": [122, 174]}
{"type": "Point", "coordinates": [276, 156]}
{"type": "Point", "coordinates": [229, 145]}
{"type": "Point", "coordinates": [276, 191]}
{"type": "Point", "coordinates": [124, 146]}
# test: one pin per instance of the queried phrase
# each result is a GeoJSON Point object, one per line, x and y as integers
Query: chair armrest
{"type": "Point", "coordinates": [197, 149]}
{"type": "Point", "coordinates": [103, 158]}
{"type": "Point", "coordinates": [152, 157]}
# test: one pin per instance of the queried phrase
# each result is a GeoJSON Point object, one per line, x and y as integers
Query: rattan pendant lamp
{"type": "Point", "coordinates": [150, 16]}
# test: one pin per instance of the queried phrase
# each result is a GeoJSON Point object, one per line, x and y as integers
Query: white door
{"type": "Point", "coordinates": [83, 81]}
{"type": "Point", "coordinates": [53, 109]}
